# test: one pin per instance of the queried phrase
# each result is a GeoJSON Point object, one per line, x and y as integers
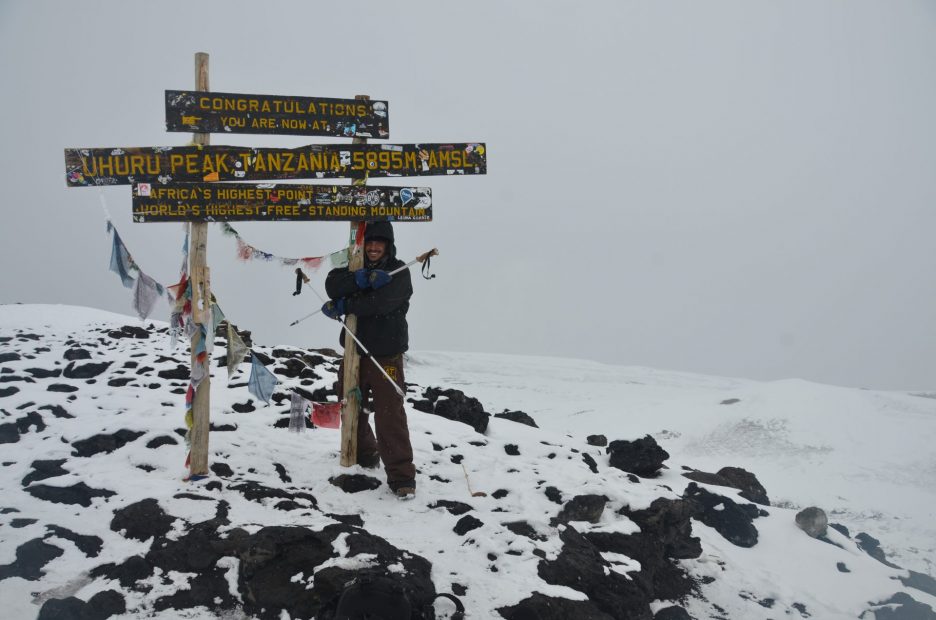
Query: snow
{"type": "Point", "coordinates": [864, 456]}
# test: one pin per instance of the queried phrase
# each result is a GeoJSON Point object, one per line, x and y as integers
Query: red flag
{"type": "Point", "coordinates": [326, 415]}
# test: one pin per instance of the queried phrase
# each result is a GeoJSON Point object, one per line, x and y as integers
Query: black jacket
{"type": "Point", "coordinates": [382, 326]}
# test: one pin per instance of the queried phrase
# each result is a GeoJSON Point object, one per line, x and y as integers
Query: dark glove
{"type": "Point", "coordinates": [378, 278]}
{"type": "Point", "coordinates": [334, 309]}
{"type": "Point", "coordinates": [361, 278]}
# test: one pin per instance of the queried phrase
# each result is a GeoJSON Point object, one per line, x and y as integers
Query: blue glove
{"type": "Point", "coordinates": [334, 309]}
{"type": "Point", "coordinates": [379, 278]}
{"type": "Point", "coordinates": [361, 278]}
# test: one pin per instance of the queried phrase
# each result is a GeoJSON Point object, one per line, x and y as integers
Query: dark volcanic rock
{"type": "Point", "coordinates": [45, 373]}
{"type": "Point", "coordinates": [104, 443]}
{"type": "Point", "coordinates": [590, 461]}
{"type": "Point", "coordinates": [731, 520]}
{"type": "Point", "coordinates": [31, 557]}
{"type": "Point", "coordinates": [130, 571]}
{"type": "Point", "coordinates": [512, 449]}
{"type": "Point", "coordinates": [668, 521]}
{"type": "Point", "coordinates": [79, 493]}
{"type": "Point", "coordinates": [522, 528]}
{"type": "Point", "coordinates": [77, 353]}
{"type": "Point", "coordinates": [271, 559]}
{"type": "Point", "coordinates": [751, 488]}
{"type": "Point", "coordinates": [454, 405]}
{"type": "Point", "coordinates": [85, 371]}
{"type": "Point", "coordinates": [44, 469]}
{"type": "Point", "coordinates": [672, 613]}
{"type": "Point", "coordinates": [61, 387]}
{"type": "Point", "coordinates": [872, 546]}
{"type": "Point", "coordinates": [597, 440]}
{"type": "Point", "coordinates": [8, 432]}
{"type": "Point", "coordinates": [180, 372]}
{"type": "Point", "coordinates": [89, 545]}
{"type": "Point", "coordinates": [813, 521]}
{"type": "Point", "coordinates": [541, 607]}
{"type": "Point", "coordinates": [466, 524]}
{"type": "Point", "coordinates": [8, 391]}
{"type": "Point", "coordinates": [56, 410]}
{"type": "Point", "coordinates": [920, 581]}
{"type": "Point", "coordinates": [162, 440]}
{"type": "Point", "coordinates": [143, 520]}
{"type": "Point", "coordinates": [355, 483]}
{"type": "Point", "coordinates": [9, 357]}
{"type": "Point", "coordinates": [519, 417]}
{"type": "Point", "coordinates": [902, 606]}
{"type": "Point", "coordinates": [119, 381]}
{"type": "Point", "coordinates": [581, 567]}
{"type": "Point", "coordinates": [582, 508]}
{"type": "Point", "coordinates": [554, 495]}
{"type": "Point", "coordinates": [244, 407]}
{"type": "Point", "coordinates": [128, 331]}
{"type": "Point", "coordinates": [736, 478]}
{"type": "Point", "coordinates": [221, 469]}
{"type": "Point", "coordinates": [643, 457]}
{"type": "Point", "coordinates": [453, 507]}
{"type": "Point", "coordinates": [31, 420]}
{"type": "Point", "coordinates": [256, 492]}
{"type": "Point", "coordinates": [665, 535]}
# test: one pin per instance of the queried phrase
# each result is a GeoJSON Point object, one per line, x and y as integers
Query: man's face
{"type": "Point", "coordinates": [375, 249]}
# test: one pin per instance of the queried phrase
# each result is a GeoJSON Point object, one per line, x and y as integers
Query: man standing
{"type": "Point", "coordinates": [380, 302]}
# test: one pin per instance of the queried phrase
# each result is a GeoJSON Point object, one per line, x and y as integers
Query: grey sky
{"type": "Point", "coordinates": [741, 188]}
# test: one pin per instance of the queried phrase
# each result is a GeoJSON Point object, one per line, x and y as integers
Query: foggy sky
{"type": "Point", "coordinates": [740, 188]}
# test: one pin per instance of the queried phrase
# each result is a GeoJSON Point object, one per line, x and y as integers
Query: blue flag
{"type": "Point", "coordinates": [262, 381]}
{"type": "Point", "coordinates": [120, 258]}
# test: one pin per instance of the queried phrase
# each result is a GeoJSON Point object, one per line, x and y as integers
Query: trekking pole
{"type": "Point", "coordinates": [366, 352]}
{"type": "Point", "coordinates": [419, 259]}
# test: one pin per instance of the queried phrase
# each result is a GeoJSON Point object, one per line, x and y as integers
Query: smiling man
{"type": "Point", "coordinates": [380, 302]}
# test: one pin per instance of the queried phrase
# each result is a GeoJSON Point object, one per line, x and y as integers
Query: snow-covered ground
{"type": "Point", "coordinates": [865, 457]}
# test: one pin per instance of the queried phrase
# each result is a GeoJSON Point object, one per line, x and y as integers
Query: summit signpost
{"type": "Point", "coordinates": [193, 164]}
{"type": "Point", "coordinates": [305, 116]}
{"type": "Point", "coordinates": [186, 183]}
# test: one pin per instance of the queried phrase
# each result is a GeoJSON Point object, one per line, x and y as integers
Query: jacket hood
{"type": "Point", "coordinates": [381, 230]}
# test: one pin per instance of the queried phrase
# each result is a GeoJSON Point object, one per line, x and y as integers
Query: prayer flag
{"type": "Point", "coordinates": [262, 382]}
{"type": "Point", "coordinates": [299, 409]}
{"type": "Point", "coordinates": [326, 415]}
{"type": "Point", "coordinates": [236, 350]}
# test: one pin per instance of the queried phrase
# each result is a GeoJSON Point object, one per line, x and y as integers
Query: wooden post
{"type": "Point", "coordinates": [352, 360]}
{"type": "Point", "coordinates": [201, 305]}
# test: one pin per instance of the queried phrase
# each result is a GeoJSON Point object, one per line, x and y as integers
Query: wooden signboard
{"type": "Point", "coordinates": [306, 116]}
{"type": "Point", "coordinates": [161, 165]}
{"type": "Point", "coordinates": [217, 202]}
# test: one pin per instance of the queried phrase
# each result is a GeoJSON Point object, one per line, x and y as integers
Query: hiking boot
{"type": "Point", "coordinates": [405, 492]}
{"type": "Point", "coordinates": [370, 461]}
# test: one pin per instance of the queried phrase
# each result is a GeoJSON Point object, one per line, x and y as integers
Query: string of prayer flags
{"type": "Point", "coordinates": [246, 252]}
{"type": "Point", "coordinates": [236, 350]}
{"type": "Point", "coordinates": [262, 382]}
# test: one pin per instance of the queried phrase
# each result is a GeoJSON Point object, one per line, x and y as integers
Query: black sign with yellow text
{"type": "Point", "coordinates": [198, 111]}
{"type": "Point", "coordinates": [222, 202]}
{"type": "Point", "coordinates": [166, 164]}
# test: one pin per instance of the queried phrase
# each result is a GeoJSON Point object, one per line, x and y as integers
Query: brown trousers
{"type": "Point", "coordinates": [392, 442]}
